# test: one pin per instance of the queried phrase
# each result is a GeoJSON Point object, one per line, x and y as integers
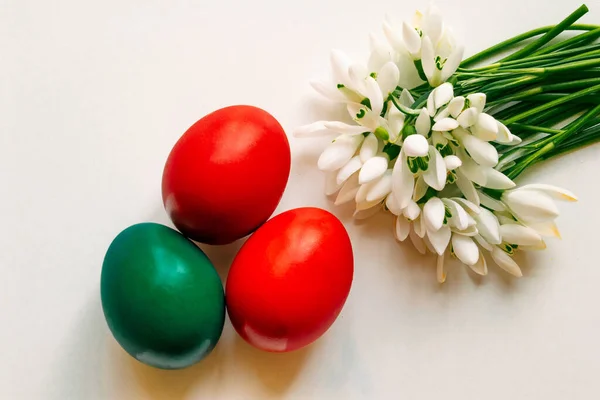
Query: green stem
{"type": "Point", "coordinates": [546, 88]}
{"type": "Point", "coordinates": [549, 145]}
{"type": "Point", "coordinates": [487, 53]}
{"type": "Point", "coordinates": [575, 40]}
{"type": "Point", "coordinates": [551, 104]}
{"type": "Point", "coordinates": [551, 34]}
{"type": "Point", "coordinates": [545, 97]}
{"type": "Point", "coordinates": [535, 129]}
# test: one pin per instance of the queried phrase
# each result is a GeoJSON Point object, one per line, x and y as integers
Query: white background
{"type": "Point", "coordinates": [93, 94]}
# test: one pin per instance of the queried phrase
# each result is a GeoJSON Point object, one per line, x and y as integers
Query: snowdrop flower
{"type": "Point", "coordinates": [430, 44]}
{"type": "Point", "coordinates": [433, 163]}
{"type": "Point", "coordinates": [533, 206]}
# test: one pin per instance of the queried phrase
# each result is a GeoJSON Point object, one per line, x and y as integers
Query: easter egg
{"type": "Point", "coordinates": [162, 299]}
{"type": "Point", "coordinates": [226, 174]}
{"type": "Point", "coordinates": [290, 280]}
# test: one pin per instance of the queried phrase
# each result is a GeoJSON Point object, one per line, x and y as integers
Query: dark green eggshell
{"type": "Point", "coordinates": [162, 299]}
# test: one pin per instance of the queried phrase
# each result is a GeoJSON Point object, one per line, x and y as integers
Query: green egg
{"type": "Point", "coordinates": [161, 296]}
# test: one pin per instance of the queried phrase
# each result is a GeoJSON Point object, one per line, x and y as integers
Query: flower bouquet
{"type": "Point", "coordinates": [438, 140]}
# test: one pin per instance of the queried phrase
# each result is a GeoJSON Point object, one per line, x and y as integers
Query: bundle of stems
{"type": "Point", "coordinates": [546, 91]}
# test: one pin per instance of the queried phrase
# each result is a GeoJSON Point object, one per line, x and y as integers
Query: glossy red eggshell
{"type": "Point", "coordinates": [226, 174]}
{"type": "Point", "coordinates": [290, 280]}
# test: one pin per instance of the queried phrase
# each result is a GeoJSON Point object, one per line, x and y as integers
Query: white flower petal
{"type": "Point", "coordinates": [348, 191]}
{"type": "Point", "coordinates": [381, 188]}
{"type": "Point", "coordinates": [419, 227]}
{"type": "Point", "coordinates": [515, 140]}
{"type": "Point", "coordinates": [412, 211]}
{"type": "Point", "coordinates": [505, 218]}
{"type": "Point", "coordinates": [465, 249]}
{"type": "Point", "coordinates": [467, 205]}
{"type": "Point", "coordinates": [406, 98]}
{"type": "Point", "coordinates": [440, 273]}
{"type": "Point", "coordinates": [367, 212]}
{"type": "Point", "coordinates": [480, 267]}
{"type": "Point", "coordinates": [428, 244]}
{"type": "Point", "coordinates": [440, 239]}
{"type": "Point", "coordinates": [505, 262]}
{"type": "Point", "coordinates": [393, 37]}
{"type": "Point", "coordinates": [409, 78]}
{"type": "Point", "coordinates": [427, 57]}
{"type": "Point", "coordinates": [331, 185]}
{"type": "Point", "coordinates": [373, 92]}
{"type": "Point", "coordinates": [442, 113]}
{"type": "Point", "coordinates": [343, 128]}
{"type": "Point", "coordinates": [488, 226]}
{"type": "Point", "coordinates": [471, 231]}
{"type": "Point", "coordinates": [466, 187]}
{"type": "Point", "coordinates": [456, 106]}
{"type": "Point", "coordinates": [415, 146]}
{"type": "Point", "coordinates": [452, 162]}
{"type": "Point", "coordinates": [541, 245]}
{"type": "Point", "coordinates": [433, 214]}
{"type": "Point", "coordinates": [432, 23]}
{"type": "Point", "coordinates": [471, 169]}
{"type": "Point", "coordinates": [387, 79]}
{"type": "Point", "coordinates": [482, 242]}
{"type": "Point", "coordinates": [423, 122]}
{"type": "Point", "coordinates": [369, 148]}
{"type": "Point", "coordinates": [365, 205]}
{"type": "Point", "coordinates": [373, 169]}
{"type": "Point", "coordinates": [347, 170]}
{"type": "Point", "coordinates": [435, 175]}
{"type": "Point", "coordinates": [491, 203]}
{"type": "Point", "coordinates": [482, 152]}
{"type": "Point", "coordinates": [403, 181]}
{"type": "Point", "coordinates": [459, 218]}
{"type": "Point", "coordinates": [554, 191]}
{"type": "Point", "coordinates": [340, 63]}
{"type": "Point", "coordinates": [486, 127]}
{"type": "Point", "coordinates": [504, 136]}
{"type": "Point", "coordinates": [420, 188]}
{"type": "Point", "coordinates": [402, 228]}
{"type": "Point", "coordinates": [358, 73]}
{"type": "Point", "coordinates": [519, 235]}
{"type": "Point", "coordinates": [338, 153]}
{"type": "Point", "coordinates": [446, 124]}
{"type": "Point", "coordinates": [452, 62]}
{"type": "Point", "coordinates": [468, 117]}
{"type": "Point", "coordinates": [328, 91]}
{"type": "Point", "coordinates": [412, 40]}
{"type": "Point", "coordinates": [443, 94]}
{"type": "Point", "coordinates": [477, 100]}
{"type": "Point", "coordinates": [545, 228]}
{"type": "Point", "coordinates": [417, 241]}
{"type": "Point", "coordinates": [497, 180]}
{"type": "Point", "coordinates": [364, 116]}
{"type": "Point", "coordinates": [315, 129]}
{"type": "Point", "coordinates": [396, 122]}
{"type": "Point", "coordinates": [381, 53]}
{"type": "Point", "coordinates": [392, 204]}
{"type": "Point", "coordinates": [361, 195]}
{"type": "Point", "coordinates": [430, 108]}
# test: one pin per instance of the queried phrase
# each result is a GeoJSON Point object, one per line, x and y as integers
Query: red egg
{"type": "Point", "coordinates": [290, 280]}
{"type": "Point", "coordinates": [226, 175]}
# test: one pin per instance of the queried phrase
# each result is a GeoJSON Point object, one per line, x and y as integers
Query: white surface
{"type": "Point", "coordinates": [93, 94]}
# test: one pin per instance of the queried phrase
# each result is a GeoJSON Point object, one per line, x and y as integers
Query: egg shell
{"type": "Point", "coordinates": [161, 297]}
{"type": "Point", "coordinates": [290, 280]}
{"type": "Point", "coordinates": [226, 174]}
